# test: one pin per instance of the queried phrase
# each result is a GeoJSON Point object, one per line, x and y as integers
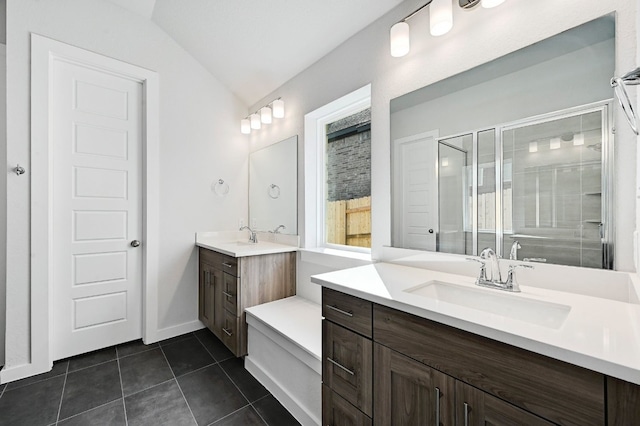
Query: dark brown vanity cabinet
{"type": "Point", "coordinates": [228, 285]}
{"type": "Point", "coordinates": [347, 360]}
{"type": "Point", "coordinates": [427, 373]}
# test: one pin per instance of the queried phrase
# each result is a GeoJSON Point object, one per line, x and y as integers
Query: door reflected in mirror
{"type": "Point", "coordinates": [514, 153]}
{"type": "Point", "coordinates": [273, 188]}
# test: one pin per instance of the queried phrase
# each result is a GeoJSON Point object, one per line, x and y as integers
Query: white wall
{"type": "Point", "coordinates": [478, 36]}
{"type": "Point", "coordinates": [199, 143]}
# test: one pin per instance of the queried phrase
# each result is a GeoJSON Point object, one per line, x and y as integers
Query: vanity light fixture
{"type": "Point", "coordinates": [440, 17]}
{"type": "Point", "coordinates": [264, 115]}
{"type": "Point", "coordinates": [255, 121]}
{"type": "Point", "coordinates": [245, 126]}
{"type": "Point", "coordinates": [278, 108]}
{"type": "Point", "coordinates": [440, 22]}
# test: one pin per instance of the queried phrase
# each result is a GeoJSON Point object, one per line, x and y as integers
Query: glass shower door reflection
{"type": "Point", "coordinates": [455, 194]}
{"type": "Point", "coordinates": [553, 170]}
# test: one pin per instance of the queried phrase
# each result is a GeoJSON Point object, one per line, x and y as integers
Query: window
{"type": "Point", "coordinates": [347, 170]}
{"type": "Point", "coordinates": [338, 173]}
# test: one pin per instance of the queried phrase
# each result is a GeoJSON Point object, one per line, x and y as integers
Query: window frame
{"type": "Point", "coordinates": [315, 125]}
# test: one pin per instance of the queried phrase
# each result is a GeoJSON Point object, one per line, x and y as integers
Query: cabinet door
{"type": "Point", "coordinates": [336, 411]}
{"type": "Point", "coordinates": [347, 365]}
{"type": "Point", "coordinates": [477, 408]}
{"type": "Point", "coordinates": [205, 296]}
{"type": "Point", "coordinates": [217, 301]}
{"type": "Point", "coordinates": [407, 392]}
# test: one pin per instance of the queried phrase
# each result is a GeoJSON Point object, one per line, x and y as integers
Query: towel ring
{"type": "Point", "coordinates": [221, 188]}
{"type": "Point", "coordinates": [273, 191]}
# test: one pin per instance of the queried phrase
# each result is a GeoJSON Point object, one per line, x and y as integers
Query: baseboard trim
{"type": "Point", "coordinates": [288, 401]}
{"type": "Point", "coordinates": [22, 371]}
{"type": "Point", "coordinates": [173, 331]}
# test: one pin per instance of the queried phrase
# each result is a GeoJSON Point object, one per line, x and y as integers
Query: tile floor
{"type": "Point", "coordinates": [192, 379]}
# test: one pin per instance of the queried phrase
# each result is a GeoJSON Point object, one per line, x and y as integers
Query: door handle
{"type": "Point", "coordinates": [135, 243]}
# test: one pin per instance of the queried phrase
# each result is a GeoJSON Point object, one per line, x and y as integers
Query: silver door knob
{"type": "Point", "coordinates": [135, 243]}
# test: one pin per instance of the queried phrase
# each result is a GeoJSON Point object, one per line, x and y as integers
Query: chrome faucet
{"type": "Point", "coordinates": [277, 230]}
{"type": "Point", "coordinates": [253, 237]}
{"type": "Point", "coordinates": [495, 278]}
{"type": "Point", "coordinates": [488, 254]}
{"type": "Point", "coordinates": [513, 255]}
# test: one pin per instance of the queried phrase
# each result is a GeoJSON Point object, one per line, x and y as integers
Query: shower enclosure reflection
{"type": "Point", "coordinates": [546, 195]}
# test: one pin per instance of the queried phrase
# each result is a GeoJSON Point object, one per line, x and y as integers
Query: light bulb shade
{"type": "Point", "coordinates": [440, 17]}
{"type": "Point", "coordinates": [555, 143]}
{"type": "Point", "coordinates": [278, 108]}
{"type": "Point", "coordinates": [488, 4]}
{"type": "Point", "coordinates": [533, 146]}
{"type": "Point", "coordinates": [255, 121]}
{"type": "Point", "coordinates": [578, 139]}
{"type": "Point", "coordinates": [400, 42]}
{"type": "Point", "coordinates": [265, 115]}
{"type": "Point", "coordinates": [245, 126]}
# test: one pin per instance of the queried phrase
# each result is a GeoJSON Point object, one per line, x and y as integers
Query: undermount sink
{"type": "Point", "coordinates": [241, 243]}
{"type": "Point", "coordinates": [496, 302]}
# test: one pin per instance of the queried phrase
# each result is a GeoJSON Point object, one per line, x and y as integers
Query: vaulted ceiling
{"type": "Point", "coordinates": [254, 46]}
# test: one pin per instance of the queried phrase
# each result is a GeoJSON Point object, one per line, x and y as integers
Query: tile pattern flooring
{"type": "Point", "coordinates": [192, 379]}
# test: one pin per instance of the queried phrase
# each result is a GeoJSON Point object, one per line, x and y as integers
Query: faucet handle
{"type": "Point", "coordinates": [483, 266]}
{"type": "Point", "coordinates": [511, 283]}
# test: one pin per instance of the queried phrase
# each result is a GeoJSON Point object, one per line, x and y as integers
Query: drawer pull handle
{"type": "Point", "coordinates": [337, 364]}
{"type": "Point", "coordinates": [227, 332]}
{"type": "Point", "coordinates": [466, 414]}
{"type": "Point", "coordinates": [437, 406]}
{"type": "Point", "coordinates": [349, 314]}
{"type": "Point", "coordinates": [227, 264]}
{"type": "Point", "coordinates": [229, 294]}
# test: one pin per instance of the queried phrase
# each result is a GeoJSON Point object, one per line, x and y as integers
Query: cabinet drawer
{"type": "Point", "coordinates": [230, 331]}
{"type": "Point", "coordinates": [220, 261]}
{"type": "Point", "coordinates": [337, 411]}
{"type": "Point", "coordinates": [347, 365]}
{"type": "Point", "coordinates": [348, 311]}
{"type": "Point", "coordinates": [555, 390]}
{"type": "Point", "coordinates": [230, 293]}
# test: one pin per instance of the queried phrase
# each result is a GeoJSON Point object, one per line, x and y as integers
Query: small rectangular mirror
{"type": "Point", "coordinates": [273, 188]}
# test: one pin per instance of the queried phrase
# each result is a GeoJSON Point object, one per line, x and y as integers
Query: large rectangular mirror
{"type": "Point", "coordinates": [273, 187]}
{"type": "Point", "coordinates": [514, 154]}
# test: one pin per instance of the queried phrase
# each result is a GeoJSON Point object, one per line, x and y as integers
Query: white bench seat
{"type": "Point", "coordinates": [284, 354]}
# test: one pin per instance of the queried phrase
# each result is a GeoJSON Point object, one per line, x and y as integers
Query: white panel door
{"type": "Point", "coordinates": [96, 120]}
{"type": "Point", "coordinates": [417, 207]}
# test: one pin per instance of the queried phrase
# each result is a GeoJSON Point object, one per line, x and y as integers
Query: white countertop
{"type": "Point", "coordinates": [237, 244]}
{"type": "Point", "coordinates": [599, 334]}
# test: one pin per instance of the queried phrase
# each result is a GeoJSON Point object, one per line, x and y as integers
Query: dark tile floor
{"type": "Point", "coordinates": [191, 379]}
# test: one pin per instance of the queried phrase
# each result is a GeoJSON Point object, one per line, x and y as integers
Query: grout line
{"type": "Point", "coordinates": [146, 389]}
{"type": "Point", "coordinates": [124, 404]}
{"type": "Point", "coordinates": [205, 348]}
{"type": "Point", "coordinates": [182, 336]}
{"type": "Point", "coordinates": [86, 411]}
{"type": "Point", "coordinates": [149, 348]}
{"type": "Point", "coordinates": [245, 397]}
{"type": "Point", "coordinates": [229, 415]}
{"type": "Point", "coordinates": [62, 396]}
{"type": "Point", "coordinates": [4, 389]}
{"type": "Point", "coordinates": [94, 365]}
{"type": "Point", "coordinates": [179, 387]}
{"type": "Point", "coordinates": [195, 371]}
